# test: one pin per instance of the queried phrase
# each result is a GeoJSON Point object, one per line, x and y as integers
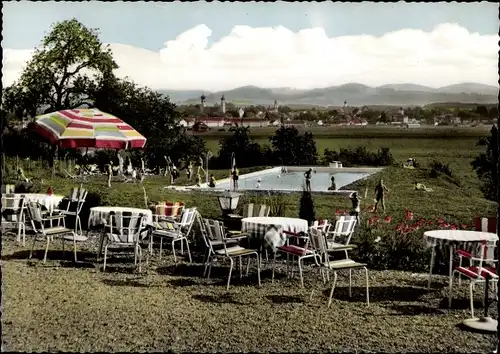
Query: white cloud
{"type": "Point", "coordinates": [278, 57]}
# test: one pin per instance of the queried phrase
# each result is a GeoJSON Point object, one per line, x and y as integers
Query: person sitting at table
{"type": "Point", "coordinates": [212, 181]}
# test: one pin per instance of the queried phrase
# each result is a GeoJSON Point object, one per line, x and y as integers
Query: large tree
{"type": "Point", "coordinates": [62, 72]}
{"type": "Point", "coordinates": [486, 166]}
{"type": "Point", "coordinates": [290, 148]}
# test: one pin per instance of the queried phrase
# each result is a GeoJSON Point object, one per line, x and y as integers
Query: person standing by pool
{"type": "Point", "coordinates": [356, 204]}
{"type": "Point", "coordinates": [333, 187]}
{"type": "Point", "coordinates": [235, 176]}
{"type": "Point", "coordinates": [212, 181]}
{"type": "Point", "coordinates": [189, 170]}
{"type": "Point", "coordinates": [380, 190]}
{"type": "Point", "coordinates": [307, 175]}
{"type": "Point", "coordinates": [199, 165]}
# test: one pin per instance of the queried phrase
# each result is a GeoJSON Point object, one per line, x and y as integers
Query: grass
{"type": "Point", "coordinates": [80, 308]}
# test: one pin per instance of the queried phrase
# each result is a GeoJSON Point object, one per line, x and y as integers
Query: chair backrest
{"type": "Point", "coordinates": [343, 229]}
{"type": "Point", "coordinates": [13, 206]}
{"type": "Point", "coordinates": [318, 240]}
{"type": "Point", "coordinates": [322, 225]}
{"type": "Point", "coordinates": [125, 227]}
{"type": "Point", "coordinates": [253, 210]}
{"type": "Point", "coordinates": [35, 214]}
{"type": "Point", "coordinates": [187, 219]}
{"type": "Point", "coordinates": [169, 209]}
{"type": "Point", "coordinates": [487, 225]}
{"type": "Point", "coordinates": [486, 255]}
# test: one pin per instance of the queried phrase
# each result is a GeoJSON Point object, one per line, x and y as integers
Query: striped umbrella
{"type": "Point", "coordinates": [88, 128]}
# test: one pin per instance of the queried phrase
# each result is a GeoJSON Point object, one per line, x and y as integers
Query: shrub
{"type": "Point", "coordinates": [438, 168]}
{"type": "Point", "coordinates": [359, 156]}
{"type": "Point", "coordinates": [306, 207]}
{"type": "Point", "coordinates": [277, 203]}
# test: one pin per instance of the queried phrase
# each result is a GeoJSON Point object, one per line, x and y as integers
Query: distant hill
{"type": "Point", "coordinates": [355, 94]}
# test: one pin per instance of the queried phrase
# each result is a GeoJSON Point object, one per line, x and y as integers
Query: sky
{"type": "Point", "coordinates": [219, 46]}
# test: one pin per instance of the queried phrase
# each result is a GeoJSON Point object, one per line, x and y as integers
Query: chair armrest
{"type": "Point", "coordinates": [463, 253]}
{"type": "Point", "coordinates": [342, 248]}
{"type": "Point", "coordinates": [290, 234]}
{"type": "Point", "coordinates": [54, 217]}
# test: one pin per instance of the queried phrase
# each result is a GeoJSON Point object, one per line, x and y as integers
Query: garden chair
{"type": "Point", "coordinates": [294, 250]}
{"type": "Point", "coordinates": [122, 231]}
{"type": "Point", "coordinates": [69, 175]}
{"type": "Point", "coordinates": [322, 259]}
{"type": "Point", "coordinates": [342, 232]}
{"type": "Point", "coordinates": [176, 231]}
{"type": "Point", "coordinates": [481, 224]}
{"type": "Point", "coordinates": [210, 243]}
{"type": "Point", "coordinates": [254, 210]}
{"type": "Point", "coordinates": [73, 206]}
{"type": "Point", "coordinates": [482, 267]}
{"type": "Point", "coordinates": [13, 207]}
{"type": "Point", "coordinates": [322, 225]}
{"type": "Point", "coordinates": [38, 223]}
{"type": "Point", "coordinates": [216, 236]}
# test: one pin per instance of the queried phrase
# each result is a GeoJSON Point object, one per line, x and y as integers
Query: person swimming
{"type": "Point", "coordinates": [307, 175]}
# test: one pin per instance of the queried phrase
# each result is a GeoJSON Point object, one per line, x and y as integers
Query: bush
{"type": "Point", "coordinates": [438, 168]}
{"type": "Point", "coordinates": [359, 156]}
{"type": "Point", "coordinates": [306, 207]}
{"type": "Point", "coordinates": [291, 149]}
{"type": "Point", "coordinates": [277, 203]}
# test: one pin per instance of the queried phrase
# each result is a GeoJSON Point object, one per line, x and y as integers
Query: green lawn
{"type": "Point", "coordinates": [80, 308]}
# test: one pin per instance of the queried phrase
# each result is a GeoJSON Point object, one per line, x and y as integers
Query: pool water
{"type": "Point", "coordinates": [294, 181]}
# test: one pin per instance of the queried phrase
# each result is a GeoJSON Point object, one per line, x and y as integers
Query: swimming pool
{"type": "Point", "coordinates": [293, 179]}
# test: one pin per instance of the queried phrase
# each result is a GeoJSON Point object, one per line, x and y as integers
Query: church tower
{"type": "Point", "coordinates": [223, 104]}
{"type": "Point", "coordinates": [202, 106]}
{"type": "Point", "coordinates": [275, 106]}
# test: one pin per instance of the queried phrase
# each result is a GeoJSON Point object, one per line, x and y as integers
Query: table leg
{"type": "Point", "coordinates": [450, 271]}
{"type": "Point", "coordinates": [433, 254]}
{"type": "Point", "coordinates": [101, 243]}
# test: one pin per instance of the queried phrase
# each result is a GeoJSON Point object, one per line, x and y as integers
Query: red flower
{"type": "Point", "coordinates": [409, 215]}
{"type": "Point", "coordinates": [453, 227]}
{"type": "Point", "coordinates": [388, 219]}
{"type": "Point", "coordinates": [337, 212]}
{"type": "Point", "coordinates": [441, 221]}
{"type": "Point", "coordinates": [445, 225]}
{"type": "Point", "coordinates": [464, 226]}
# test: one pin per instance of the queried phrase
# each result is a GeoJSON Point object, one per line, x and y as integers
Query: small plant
{"type": "Point", "coordinates": [277, 204]}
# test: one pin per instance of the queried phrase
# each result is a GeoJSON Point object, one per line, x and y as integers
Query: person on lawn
{"type": "Point", "coordinates": [422, 187]}
{"type": "Point", "coordinates": [380, 190]}
{"type": "Point", "coordinates": [212, 181]}
{"type": "Point", "coordinates": [198, 179]}
{"type": "Point", "coordinates": [356, 204]}
{"type": "Point", "coordinates": [189, 170]}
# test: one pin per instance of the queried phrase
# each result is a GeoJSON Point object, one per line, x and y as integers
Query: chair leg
{"type": "Point", "coordinates": [367, 288]}
{"type": "Point", "coordinates": [274, 265]}
{"type": "Point", "coordinates": [333, 288]}
{"type": "Point", "coordinates": [241, 268]}
{"type": "Point", "coordinates": [300, 272]}
{"type": "Point", "coordinates": [46, 250]}
{"type": "Point", "coordinates": [230, 272]}
{"type": "Point", "coordinates": [459, 275]}
{"type": "Point", "coordinates": [161, 246]}
{"type": "Point", "coordinates": [471, 294]}
{"type": "Point", "coordinates": [210, 267]}
{"type": "Point", "coordinates": [248, 265]}
{"type": "Point", "coordinates": [63, 249]}
{"type": "Point", "coordinates": [32, 246]}
{"type": "Point", "coordinates": [258, 269]}
{"type": "Point", "coordinates": [173, 250]}
{"type": "Point", "coordinates": [188, 251]}
{"type": "Point", "coordinates": [74, 246]}
{"type": "Point", "coordinates": [139, 252]}
{"type": "Point", "coordinates": [350, 282]}
{"type": "Point", "coordinates": [105, 257]}
{"type": "Point", "coordinates": [450, 293]}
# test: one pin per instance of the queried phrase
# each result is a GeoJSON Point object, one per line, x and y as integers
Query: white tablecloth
{"type": "Point", "coordinates": [269, 229]}
{"type": "Point", "coordinates": [101, 213]}
{"type": "Point", "coordinates": [48, 201]}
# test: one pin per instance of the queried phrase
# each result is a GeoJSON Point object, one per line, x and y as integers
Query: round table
{"type": "Point", "coordinates": [451, 238]}
{"type": "Point", "coordinates": [99, 215]}
{"type": "Point", "coordinates": [259, 226]}
{"type": "Point", "coordinates": [50, 202]}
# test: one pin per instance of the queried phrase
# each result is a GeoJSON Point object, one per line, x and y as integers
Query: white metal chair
{"type": "Point", "coordinates": [13, 208]}
{"type": "Point", "coordinates": [342, 232]}
{"type": "Point", "coordinates": [123, 230]}
{"type": "Point", "coordinates": [74, 205]}
{"type": "Point", "coordinates": [254, 210]}
{"type": "Point", "coordinates": [177, 232]}
{"type": "Point", "coordinates": [38, 223]}
{"type": "Point", "coordinates": [294, 250]}
{"type": "Point", "coordinates": [216, 236]}
{"type": "Point", "coordinates": [322, 225]}
{"type": "Point", "coordinates": [322, 251]}
{"type": "Point", "coordinates": [481, 266]}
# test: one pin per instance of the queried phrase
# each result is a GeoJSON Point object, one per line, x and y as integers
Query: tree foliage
{"type": "Point", "coordinates": [248, 152]}
{"type": "Point", "coordinates": [290, 148]}
{"type": "Point", "coordinates": [62, 72]}
{"type": "Point", "coordinates": [486, 166]}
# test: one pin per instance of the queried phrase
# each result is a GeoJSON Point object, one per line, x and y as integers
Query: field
{"type": "Point", "coordinates": [80, 308]}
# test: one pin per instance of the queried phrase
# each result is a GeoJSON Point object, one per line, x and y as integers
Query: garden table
{"type": "Point", "coordinates": [452, 238]}
{"type": "Point", "coordinates": [100, 216]}
{"type": "Point", "coordinates": [50, 202]}
{"type": "Point", "coordinates": [259, 226]}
